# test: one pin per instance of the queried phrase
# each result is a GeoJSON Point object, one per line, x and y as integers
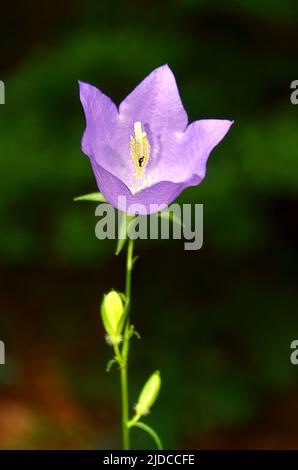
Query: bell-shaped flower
{"type": "Point", "coordinates": [146, 151]}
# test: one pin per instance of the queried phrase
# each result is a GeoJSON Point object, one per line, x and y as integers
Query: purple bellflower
{"type": "Point", "coordinates": [146, 151]}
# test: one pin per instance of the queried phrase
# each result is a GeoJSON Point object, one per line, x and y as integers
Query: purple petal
{"type": "Point", "coordinates": [156, 103]}
{"type": "Point", "coordinates": [161, 194]}
{"type": "Point", "coordinates": [185, 156]}
{"type": "Point", "coordinates": [101, 124]}
{"type": "Point", "coordinates": [105, 140]}
{"type": "Point", "coordinates": [199, 140]}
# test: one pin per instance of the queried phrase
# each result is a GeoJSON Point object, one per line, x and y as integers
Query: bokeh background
{"type": "Point", "coordinates": [218, 323]}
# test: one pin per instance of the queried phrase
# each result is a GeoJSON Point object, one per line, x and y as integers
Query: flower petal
{"type": "Point", "coordinates": [118, 194]}
{"type": "Point", "coordinates": [186, 154]}
{"type": "Point", "coordinates": [156, 103]}
{"type": "Point", "coordinates": [101, 122]}
{"type": "Point", "coordinates": [199, 140]}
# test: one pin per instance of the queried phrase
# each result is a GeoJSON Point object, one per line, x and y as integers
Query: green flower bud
{"type": "Point", "coordinates": [148, 394]}
{"type": "Point", "coordinates": [112, 313]}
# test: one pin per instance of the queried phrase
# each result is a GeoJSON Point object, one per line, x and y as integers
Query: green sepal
{"type": "Point", "coordinates": [92, 197]}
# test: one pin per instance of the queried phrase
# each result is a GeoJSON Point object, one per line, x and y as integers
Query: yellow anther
{"type": "Point", "coordinates": [139, 150]}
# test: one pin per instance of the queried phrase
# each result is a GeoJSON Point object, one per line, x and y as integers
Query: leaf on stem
{"type": "Point", "coordinates": [110, 364]}
{"type": "Point", "coordinates": [122, 231]}
{"type": "Point", "coordinates": [149, 430]}
{"type": "Point", "coordinates": [135, 259]}
{"type": "Point", "coordinates": [120, 245]}
{"type": "Point", "coordinates": [134, 332]}
{"type": "Point", "coordinates": [169, 215]}
{"type": "Point", "coordinates": [92, 197]}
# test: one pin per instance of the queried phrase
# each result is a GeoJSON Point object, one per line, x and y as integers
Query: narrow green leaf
{"type": "Point", "coordinates": [135, 333]}
{"type": "Point", "coordinates": [149, 430]}
{"type": "Point", "coordinates": [135, 259]}
{"type": "Point", "coordinates": [110, 364]}
{"type": "Point", "coordinates": [122, 295]}
{"type": "Point", "coordinates": [123, 229]}
{"type": "Point", "coordinates": [171, 216]}
{"type": "Point", "coordinates": [92, 197]}
{"type": "Point", "coordinates": [120, 245]}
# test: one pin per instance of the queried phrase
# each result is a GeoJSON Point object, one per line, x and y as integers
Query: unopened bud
{"type": "Point", "coordinates": [112, 313]}
{"type": "Point", "coordinates": [148, 394]}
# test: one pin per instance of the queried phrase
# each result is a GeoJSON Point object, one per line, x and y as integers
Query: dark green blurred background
{"type": "Point", "coordinates": [218, 323]}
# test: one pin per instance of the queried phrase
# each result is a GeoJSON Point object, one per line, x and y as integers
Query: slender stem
{"type": "Point", "coordinates": [125, 350]}
{"type": "Point", "coordinates": [151, 432]}
{"type": "Point", "coordinates": [124, 394]}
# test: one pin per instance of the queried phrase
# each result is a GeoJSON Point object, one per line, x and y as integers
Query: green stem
{"type": "Point", "coordinates": [125, 350]}
{"type": "Point", "coordinates": [125, 416]}
{"type": "Point", "coordinates": [151, 432]}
